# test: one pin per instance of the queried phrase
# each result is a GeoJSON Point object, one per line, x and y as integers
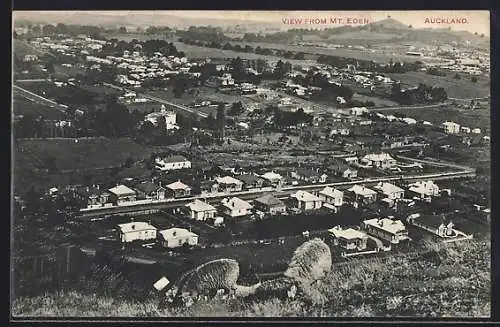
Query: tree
{"type": "Point", "coordinates": [473, 79]}
{"type": "Point", "coordinates": [221, 119]}
{"type": "Point", "coordinates": [180, 85]}
{"type": "Point", "coordinates": [236, 108]}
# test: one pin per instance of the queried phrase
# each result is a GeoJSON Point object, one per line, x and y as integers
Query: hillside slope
{"type": "Point", "coordinates": [455, 282]}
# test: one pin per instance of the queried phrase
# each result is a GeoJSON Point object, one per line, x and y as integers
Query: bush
{"type": "Point", "coordinates": [310, 262]}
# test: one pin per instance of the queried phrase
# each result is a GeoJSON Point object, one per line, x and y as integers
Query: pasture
{"type": "Point", "coordinates": [24, 106]}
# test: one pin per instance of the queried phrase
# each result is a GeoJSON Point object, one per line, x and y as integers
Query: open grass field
{"type": "Point", "coordinates": [23, 106]}
{"type": "Point", "coordinates": [461, 88]}
{"type": "Point", "coordinates": [21, 48]}
{"type": "Point", "coordinates": [479, 118]}
{"type": "Point", "coordinates": [71, 159]}
{"type": "Point", "coordinates": [193, 51]}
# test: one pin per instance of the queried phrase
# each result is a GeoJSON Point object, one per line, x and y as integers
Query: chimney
{"type": "Point", "coordinates": [88, 189]}
{"type": "Point", "coordinates": [98, 186]}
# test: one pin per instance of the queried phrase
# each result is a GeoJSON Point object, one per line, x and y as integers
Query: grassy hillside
{"type": "Point", "coordinates": [455, 282]}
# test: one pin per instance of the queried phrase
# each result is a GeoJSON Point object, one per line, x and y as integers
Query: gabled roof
{"type": "Point", "coordinates": [349, 233]}
{"type": "Point", "coordinates": [334, 193]}
{"type": "Point", "coordinates": [305, 196]}
{"type": "Point", "coordinates": [135, 226]}
{"type": "Point", "coordinates": [228, 180]}
{"type": "Point", "coordinates": [269, 200]}
{"type": "Point", "coordinates": [121, 190]}
{"type": "Point", "coordinates": [389, 225]}
{"type": "Point", "coordinates": [249, 179]}
{"type": "Point", "coordinates": [271, 176]}
{"type": "Point", "coordinates": [177, 186]}
{"type": "Point", "coordinates": [236, 203]}
{"type": "Point", "coordinates": [198, 206]}
{"type": "Point", "coordinates": [361, 190]}
{"type": "Point", "coordinates": [174, 158]}
{"type": "Point", "coordinates": [388, 188]}
{"type": "Point", "coordinates": [378, 157]}
{"type": "Point", "coordinates": [175, 232]}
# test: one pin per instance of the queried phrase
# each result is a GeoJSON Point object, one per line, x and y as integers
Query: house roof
{"type": "Point", "coordinates": [388, 188]}
{"type": "Point", "coordinates": [349, 233]}
{"type": "Point", "coordinates": [178, 186]}
{"type": "Point", "coordinates": [423, 187]}
{"type": "Point", "coordinates": [228, 180]}
{"type": "Point", "coordinates": [175, 232]}
{"type": "Point", "coordinates": [361, 190]}
{"type": "Point", "coordinates": [271, 176]}
{"type": "Point", "coordinates": [174, 158]}
{"type": "Point", "coordinates": [121, 190]}
{"type": "Point", "coordinates": [334, 193]}
{"type": "Point", "coordinates": [270, 200]}
{"type": "Point", "coordinates": [305, 172]}
{"type": "Point", "coordinates": [249, 179]}
{"type": "Point", "coordinates": [378, 157]}
{"type": "Point", "coordinates": [135, 226]}
{"type": "Point", "coordinates": [389, 225]}
{"type": "Point", "coordinates": [236, 203]}
{"type": "Point", "coordinates": [198, 205]}
{"type": "Point", "coordinates": [148, 187]}
{"type": "Point", "coordinates": [305, 196]}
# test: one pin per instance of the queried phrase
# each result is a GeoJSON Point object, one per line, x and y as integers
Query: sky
{"type": "Point", "coordinates": [476, 20]}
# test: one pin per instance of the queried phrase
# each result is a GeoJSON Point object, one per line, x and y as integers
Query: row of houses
{"type": "Point", "coordinates": [167, 238]}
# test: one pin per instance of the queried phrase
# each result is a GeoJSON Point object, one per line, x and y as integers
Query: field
{"type": "Point", "coordinates": [455, 88]}
{"type": "Point", "coordinates": [23, 106]}
{"type": "Point", "coordinates": [88, 155]}
{"type": "Point", "coordinates": [193, 51]}
{"type": "Point", "coordinates": [402, 286]}
{"type": "Point", "coordinates": [479, 118]}
{"type": "Point", "coordinates": [22, 48]}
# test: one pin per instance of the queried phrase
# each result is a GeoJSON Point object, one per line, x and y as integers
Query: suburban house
{"type": "Point", "coordinates": [229, 184]}
{"type": "Point", "coordinates": [200, 210]}
{"type": "Point", "coordinates": [381, 160]}
{"type": "Point", "coordinates": [393, 231]}
{"type": "Point", "coordinates": [343, 170]}
{"type": "Point", "coordinates": [424, 190]}
{"type": "Point", "coordinates": [390, 191]}
{"type": "Point", "coordinates": [122, 194]}
{"type": "Point", "coordinates": [363, 194]}
{"type": "Point", "coordinates": [91, 197]}
{"type": "Point", "coordinates": [349, 239]}
{"type": "Point", "coordinates": [450, 127]}
{"type": "Point", "coordinates": [177, 237]}
{"type": "Point", "coordinates": [309, 175]}
{"type": "Point", "coordinates": [149, 190]}
{"type": "Point", "coordinates": [331, 196]}
{"type": "Point", "coordinates": [173, 162]}
{"type": "Point", "coordinates": [236, 207]}
{"type": "Point", "coordinates": [178, 189]}
{"type": "Point", "coordinates": [434, 224]}
{"type": "Point", "coordinates": [306, 201]}
{"type": "Point", "coordinates": [269, 204]}
{"type": "Point", "coordinates": [136, 230]}
{"type": "Point", "coordinates": [207, 187]}
{"type": "Point", "coordinates": [273, 179]}
{"type": "Point", "coordinates": [251, 181]}
{"type": "Point", "coordinates": [169, 118]}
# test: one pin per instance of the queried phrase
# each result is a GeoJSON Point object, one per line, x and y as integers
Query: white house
{"type": "Point", "coordinates": [172, 163]}
{"type": "Point", "coordinates": [122, 194]}
{"type": "Point", "coordinates": [331, 196]}
{"type": "Point", "coordinates": [465, 129]}
{"type": "Point", "coordinates": [349, 239]}
{"type": "Point", "coordinates": [392, 231]}
{"type": "Point", "coordinates": [391, 191]}
{"type": "Point", "coordinates": [362, 193]}
{"type": "Point", "coordinates": [229, 184]}
{"type": "Point", "coordinates": [136, 230]}
{"type": "Point", "coordinates": [476, 131]}
{"type": "Point", "coordinates": [381, 160]}
{"type": "Point", "coordinates": [424, 189]}
{"type": "Point", "coordinates": [273, 178]}
{"type": "Point", "coordinates": [236, 207]}
{"type": "Point", "coordinates": [450, 127]}
{"type": "Point", "coordinates": [177, 237]}
{"type": "Point", "coordinates": [356, 111]}
{"type": "Point", "coordinates": [200, 210]}
{"type": "Point", "coordinates": [306, 201]}
{"type": "Point", "coordinates": [170, 118]}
